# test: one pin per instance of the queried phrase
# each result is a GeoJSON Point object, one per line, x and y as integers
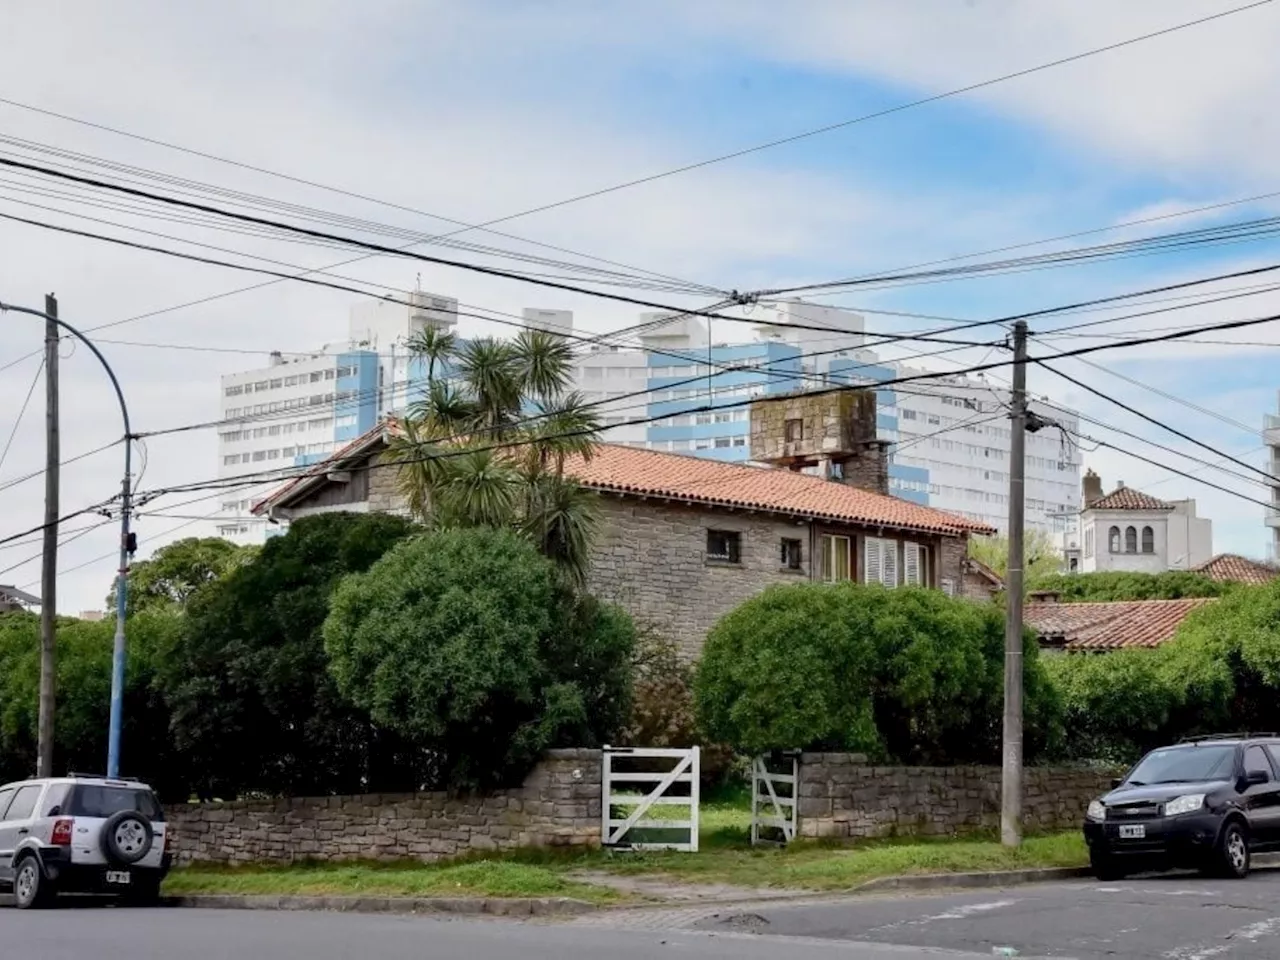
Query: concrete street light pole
{"type": "Point", "coordinates": [127, 544]}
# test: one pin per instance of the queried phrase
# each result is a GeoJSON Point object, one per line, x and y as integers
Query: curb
{"type": "Point", "coordinates": [471, 906]}
{"type": "Point", "coordinates": [969, 881]}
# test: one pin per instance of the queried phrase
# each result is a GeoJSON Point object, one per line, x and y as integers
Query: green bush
{"type": "Point", "coordinates": [1118, 705]}
{"type": "Point", "coordinates": [1117, 585]}
{"type": "Point", "coordinates": [907, 675]}
{"type": "Point", "coordinates": [469, 644]}
{"type": "Point", "coordinates": [84, 651]}
{"type": "Point", "coordinates": [254, 708]}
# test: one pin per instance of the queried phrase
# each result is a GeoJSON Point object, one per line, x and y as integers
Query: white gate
{"type": "Point", "coordinates": [773, 800]}
{"type": "Point", "coordinates": [637, 816]}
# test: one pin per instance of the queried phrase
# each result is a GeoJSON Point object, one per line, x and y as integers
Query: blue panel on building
{"type": "Point", "coordinates": [359, 413]}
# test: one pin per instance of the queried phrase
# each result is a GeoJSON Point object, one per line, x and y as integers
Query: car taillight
{"type": "Point", "coordinates": [61, 833]}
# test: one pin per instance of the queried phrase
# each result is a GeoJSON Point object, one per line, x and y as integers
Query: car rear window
{"type": "Point", "coordinates": [1185, 765]}
{"type": "Point", "coordinates": [96, 800]}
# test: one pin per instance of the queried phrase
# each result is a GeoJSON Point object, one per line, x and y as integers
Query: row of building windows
{"type": "Point", "coordinates": [295, 403]}
{"type": "Point", "coordinates": [276, 383]}
{"type": "Point", "coordinates": [1128, 542]}
{"type": "Point", "coordinates": [278, 429]}
{"type": "Point", "coordinates": [286, 453]}
{"type": "Point", "coordinates": [891, 563]}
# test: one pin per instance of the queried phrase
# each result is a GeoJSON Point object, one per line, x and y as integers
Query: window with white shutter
{"type": "Point", "coordinates": [889, 563]}
{"type": "Point", "coordinates": [911, 572]}
{"type": "Point", "coordinates": [872, 554]}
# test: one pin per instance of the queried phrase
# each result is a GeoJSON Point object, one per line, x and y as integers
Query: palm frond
{"type": "Point", "coordinates": [545, 363]}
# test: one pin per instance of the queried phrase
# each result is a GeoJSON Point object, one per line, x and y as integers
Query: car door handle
{"type": "Point", "coordinates": [23, 832]}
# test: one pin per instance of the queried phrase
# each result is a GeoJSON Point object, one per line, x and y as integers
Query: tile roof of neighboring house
{"type": "Point", "coordinates": [1127, 498]}
{"type": "Point", "coordinates": [682, 477]}
{"type": "Point", "coordinates": [984, 571]}
{"type": "Point", "coordinates": [1231, 568]}
{"type": "Point", "coordinates": [1110, 626]}
{"type": "Point", "coordinates": [694, 479]}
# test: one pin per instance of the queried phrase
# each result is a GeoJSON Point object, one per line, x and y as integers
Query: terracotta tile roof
{"type": "Point", "coordinates": [1127, 498]}
{"type": "Point", "coordinates": [695, 479]}
{"type": "Point", "coordinates": [655, 473]}
{"type": "Point", "coordinates": [1231, 568]}
{"type": "Point", "coordinates": [1110, 626]}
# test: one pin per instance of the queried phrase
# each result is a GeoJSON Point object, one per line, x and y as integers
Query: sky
{"type": "Point", "coordinates": [480, 110]}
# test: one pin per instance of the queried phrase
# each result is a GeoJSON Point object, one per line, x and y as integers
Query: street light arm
{"type": "Point", "coordinates": [122, 578]}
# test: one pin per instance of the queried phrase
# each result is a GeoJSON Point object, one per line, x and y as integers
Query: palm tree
{"type": "Point", "coordinates": [435, 346]}
{"type": "Point", "coordinates": [491, 449]}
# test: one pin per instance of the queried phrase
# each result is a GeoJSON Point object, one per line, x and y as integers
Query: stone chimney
{"type": "Point", "coordinates": [1091, 488]}
{"type": "Point", "coordinates": [831, 435]}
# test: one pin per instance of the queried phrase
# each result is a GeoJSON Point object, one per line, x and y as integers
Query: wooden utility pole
{"type": "Point", "coordinates": [49, 568]}
{"type": "Point", "coordinates": [1011, 779]}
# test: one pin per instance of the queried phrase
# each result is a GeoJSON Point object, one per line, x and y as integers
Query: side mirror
{"type": "Point", "coordinates": [1116, 782]}
{"type": "Point", "coordinates": [1254, 777]}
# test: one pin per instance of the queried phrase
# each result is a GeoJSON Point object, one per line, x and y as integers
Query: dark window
{"type": "Point", "coordinates": [24, 802]}
{"type": "Point", "coordinates": [791, 555]}
{"type": "Point", "coordinates": [93, 800]}
{"type": "Point", "coordinates": [1185, 764]}
{"type": "Point", "coordinates": [1075, 564]}
{"type": "Point", "coordinates": [1130, 540]}
{"type": "Point", "coordinates": [1255, 758]}
{"type": "Point", "coordinates": [54, 799]}
{"type": "Point", "coordinates": [1148, 540]}
{"type": "Point", "coordinates": [795, 431]}
{"type": "Point", "coordinates": [1113, 539]}
{"type": "Point", "coordinates": [724, 545]}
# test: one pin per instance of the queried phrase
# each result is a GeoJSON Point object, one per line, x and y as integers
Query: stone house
{"type": "Point", "coordinates": [683, 540]}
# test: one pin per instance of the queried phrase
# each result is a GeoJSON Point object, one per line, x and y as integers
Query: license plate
{"type": "Point", "coordinates": [1133, 831]}
{"type": "Point", "coordinates": [118, 877]}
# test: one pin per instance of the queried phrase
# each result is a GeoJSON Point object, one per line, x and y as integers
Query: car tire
{"type": "Point", "coordinates": [31, 888]}
{"type": "Point", "coordinates": [1104, 867]}
{"type": "Point", "coordinates": [1231, 859]}
{"type": "Point", "coordinates": [126, 837]}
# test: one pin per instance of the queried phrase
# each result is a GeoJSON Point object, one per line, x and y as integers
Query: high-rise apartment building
{"type": "Point", "coordinates": [301, 407]}
{"type": "Point", "coordinates": [682, 388]}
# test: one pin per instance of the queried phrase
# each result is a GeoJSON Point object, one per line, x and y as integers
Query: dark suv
{"type": "Point", "coordinates": [1207, 803]}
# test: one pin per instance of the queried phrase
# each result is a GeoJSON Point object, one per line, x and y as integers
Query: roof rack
{"type": "Point", "coordinates": [1244, 735]}
{"type": "Point", "coordinates": [100, 776]}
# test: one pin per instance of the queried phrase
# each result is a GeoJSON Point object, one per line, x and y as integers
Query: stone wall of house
{"type": "Point", "coordinates": [650, 558]}
{"type": "Point", "coordinates": [384, 489]}
{"type": "Point", "coordinates": [842, 796]}
{"type": "Point", "coordinates": [558, 805]}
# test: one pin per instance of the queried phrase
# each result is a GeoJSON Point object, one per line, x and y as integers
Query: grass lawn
{"type": "Point", "coordinates": [725, 857]}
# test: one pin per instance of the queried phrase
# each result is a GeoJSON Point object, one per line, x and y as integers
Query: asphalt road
{"type": "Point", "coordinates": [1177, 917]}
{"type": "Point", "coordinates": [162, 934]}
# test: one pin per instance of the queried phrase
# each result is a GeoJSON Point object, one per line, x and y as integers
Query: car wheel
{"type": "Point", "coordinates": [1232, 855]}
{"type": "Point", "coordinates": [1104, 867]}
{"type": "Point", "coordinates": [30, 886]}
{"type": "Point", "coordinates": [126, 837]}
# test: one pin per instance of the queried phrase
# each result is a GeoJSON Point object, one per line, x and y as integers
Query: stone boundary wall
{"type": "Point", "coordinates": [558, 805]}
{"type": "Point", "coordinates": [842, 796]}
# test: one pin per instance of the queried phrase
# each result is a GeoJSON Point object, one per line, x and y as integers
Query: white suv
{"type": "Point", "coordinates": [81, 834]}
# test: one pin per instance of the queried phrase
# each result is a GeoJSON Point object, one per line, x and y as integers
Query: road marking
{"type": "Point", "coordinates": [968, 910]}
{"type": "Point", "coordinates": [1250, 933]}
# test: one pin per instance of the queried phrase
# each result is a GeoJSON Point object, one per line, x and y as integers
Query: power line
{"type": "Point", "coordinates": [1159, 423]}
{"type": "Point", "coordinates": [1163, 466]}
{"type": "Point", "coordinates": [337, 190]}
{"type": "Point", "coordinates": [879, 385]}
{"type": "Point", "coordinates": [21, 413]}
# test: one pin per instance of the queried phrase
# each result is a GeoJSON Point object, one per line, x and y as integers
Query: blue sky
{"type": "Point", "coordinates": [480, 110]}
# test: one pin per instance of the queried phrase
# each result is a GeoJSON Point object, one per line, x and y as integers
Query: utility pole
{"type": "Point", "coordinates": [1011, 779]}
{"type": "Point", "coordinates": [49, 565]}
